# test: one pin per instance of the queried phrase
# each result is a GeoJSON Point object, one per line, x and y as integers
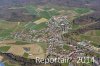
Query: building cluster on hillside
{"type": "Point", "coordinates": [57, 26]}
{"type": "Point", "coordinates": [60, 22]}
{"type": "Point", "coordinates": [30, 36]}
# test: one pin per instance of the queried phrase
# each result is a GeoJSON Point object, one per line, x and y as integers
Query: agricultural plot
{"type": "Point", "coordinates": [98, 32]}
{"type": "Point", "coordinates": [31, 9]}
{"type": "Point", "coordinates": [7, 25]}
{"type": "Point", "coordinates": [82, 10]}
{"type": "Point", "coordinates": [41, 21]}
{"type": "Point", "coordinates": [42, 12]}
{"type": "Point", "coordinates": [4, 48]}
{"type": "Point", "coordinates": [39, 26]}
{"type": "Point", "coordinates": [94, 36]}
{"type": "Point", "coordinates": [28, 51]}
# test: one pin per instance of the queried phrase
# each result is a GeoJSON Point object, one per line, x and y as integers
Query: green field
{"type": "Point", "coordinates": [39, 26]}
{"type": "Point", "coordinates": [4, 48]}
{"type": "Point", "coordinates": [21, 42]}
{"type": "Point", "coordinates": [48, 13]}
{"type": "Point", "coordinates": [98, 32]}
{"type": "Point", "coordinates": [81, 10]}
{"type": "Point", "coordinates": [5, 33]}
{"type": "Point", "coordinates": [31, 9]}
{"type": "Point", "coordinates": [7, 28]}
{"type": "Point", "coordinates": [25, 55]}
{"type": "Point", "coordinates": [44, 13]}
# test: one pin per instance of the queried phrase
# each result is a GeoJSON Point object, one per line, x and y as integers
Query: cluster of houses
{"type": "Point", "coordinates": [57, 25]}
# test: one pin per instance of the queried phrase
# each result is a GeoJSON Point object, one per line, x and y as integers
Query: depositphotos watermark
{"type": "Point", "coordinates": [64, 60]}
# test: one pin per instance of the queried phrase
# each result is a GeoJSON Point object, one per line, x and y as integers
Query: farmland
{"type": "Point", "coordinates": [35, 50]}
{"type": "Point", "coordinates": [81, 10]}
{"type": "Point", "coordinates": [25, 31]}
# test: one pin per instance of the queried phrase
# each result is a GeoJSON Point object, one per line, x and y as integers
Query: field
{"type": "Point", "coordinates": [35, 50]}
{"type": "Point", "coordinates": [82, 10]}
{"type": "Point", "coordinates": [4, 48]}
{"type": "Point", "coordinates": [41, 21]}
{"type": "Point", "coordinates": [93, 33]}
{"type": "Point", "coordinates": [41, 12]}
{"type": "Point", "coordinates": [39, 26]}
{"type": "Point", "coordinates": [92, 36]}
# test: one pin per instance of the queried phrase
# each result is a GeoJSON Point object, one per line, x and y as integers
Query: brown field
{"type": "Point", "coordinates": [7, 25]}
{"type": "Point", "coordinates": [1, 58]}
{"type": "Point", "coordinates": [35, 49]}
